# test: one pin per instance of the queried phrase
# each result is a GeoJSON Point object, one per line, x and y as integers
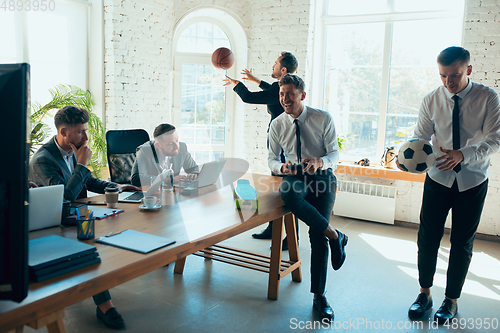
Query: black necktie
{"type": "Point", "coordinates": [297, 132]}
{"type": "Point", "coordinates": [456, 129]}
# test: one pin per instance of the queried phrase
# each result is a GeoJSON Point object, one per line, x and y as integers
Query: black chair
{"type": "Point", "coordinates": [121, 147]}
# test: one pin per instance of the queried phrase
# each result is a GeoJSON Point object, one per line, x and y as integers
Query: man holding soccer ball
{"type": "Point", "coordinates": [462, 118]}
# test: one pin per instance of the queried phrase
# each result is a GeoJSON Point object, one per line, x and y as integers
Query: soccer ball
{"type": "Point", "coordinates": [416, 156]}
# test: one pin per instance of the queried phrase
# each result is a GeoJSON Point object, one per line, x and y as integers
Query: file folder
{"type": "Point", "coordinates": [135, 241]}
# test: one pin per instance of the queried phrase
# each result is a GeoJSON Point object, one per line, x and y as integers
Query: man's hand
{"type": "Point", "coordinates": [247, 75]}
{"type": "Point", "coordinates": [399, 165]}
{"type": "Point", "coordinates": [188, 176]}
{"type": "Point", "coordinates": [313, 164]}
{"type": "Point", "coordinates": [286, 171]}
{"type": "Point", "coordinates": [128, 187]}
{"type": "Point", "coordinates": [32, 185]}
{"type": "Point", "coordinates": [449, 160]}
{"type": "Point", "coordinates": [229, 81]}
{"type": "Point", "coordinates": [83, 154]}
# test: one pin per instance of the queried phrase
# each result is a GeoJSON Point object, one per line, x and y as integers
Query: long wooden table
{"type": "Point", "coordinates": [196, 223]}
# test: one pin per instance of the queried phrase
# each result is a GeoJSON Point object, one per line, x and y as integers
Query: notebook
{"type": "Point", "coordinates": [135, 241]}
{"type": "Point", "coordinates": [209, 173]}
{"type": "Point", "coordinates": [63, 267]}
{"type": "Point", "coordinates": [138, 195]}
{"type": "Point", "coordinates": [45, 206]}
{"type": "Point", "coordinates": [50, 250]}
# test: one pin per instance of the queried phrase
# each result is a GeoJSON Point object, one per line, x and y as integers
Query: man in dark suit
{"type": "Point", "coordinates": [285, 64]}
{"type": "Point", "coordinates": [165, 151]}
{"type": "Point", "coordinates": [63, 160]}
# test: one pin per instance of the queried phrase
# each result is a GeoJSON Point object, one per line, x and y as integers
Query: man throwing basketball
{"type": "Point", "coordinates": [285, 64]}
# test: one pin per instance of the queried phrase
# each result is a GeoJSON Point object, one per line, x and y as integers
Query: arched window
{"type": "Point", "coordinates": [200, 98]}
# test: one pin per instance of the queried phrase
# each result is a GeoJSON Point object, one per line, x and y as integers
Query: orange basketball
{"type": "Point", "coordinates": [222, 58]}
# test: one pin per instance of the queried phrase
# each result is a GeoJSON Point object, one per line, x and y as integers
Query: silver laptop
{"type": "Point", "coordinates": [137, 196]}
{"type": "Point", "coordinates": [209, 173]}
{"type": "Point", "coordinates": [45, 206]}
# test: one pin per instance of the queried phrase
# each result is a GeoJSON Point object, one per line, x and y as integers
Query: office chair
{"type": "Point", "coordinates": [121, 147]}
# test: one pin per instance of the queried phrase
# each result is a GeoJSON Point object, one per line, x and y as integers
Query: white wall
{"type": "Point", "coordinates": [138, 64]}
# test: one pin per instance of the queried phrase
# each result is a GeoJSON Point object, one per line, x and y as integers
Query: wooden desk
{"type": "Point", "coordinates": [195, 223]}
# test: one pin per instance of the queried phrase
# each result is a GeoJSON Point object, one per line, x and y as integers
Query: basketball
{"type": "Point", "coordinates": [223, 58]}
{"type": "Point", "coordinates": [416, 156]}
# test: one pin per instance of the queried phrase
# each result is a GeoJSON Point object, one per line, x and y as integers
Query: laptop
{"type": "Point", "coordinates": [137, 196]}
{"type": "Point", "coordinates": [45, 206]}
{"type": "Point", "coordinates": [209, 173]}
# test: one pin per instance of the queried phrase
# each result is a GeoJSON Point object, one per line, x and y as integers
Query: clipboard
{"type": "Point", "coordinates": [135, 241]}
{"type": "Point", "coordinates": [103, 212]}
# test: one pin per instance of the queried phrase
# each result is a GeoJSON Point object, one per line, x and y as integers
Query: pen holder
{"type": "Point", "coordinates": [85, 229]}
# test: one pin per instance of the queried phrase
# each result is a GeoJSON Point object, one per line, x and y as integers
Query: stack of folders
{"type": "Point", "coordinates": [53, 255]}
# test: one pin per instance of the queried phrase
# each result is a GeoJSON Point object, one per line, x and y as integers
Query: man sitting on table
{"type": "Point", "coordinates": [308, 136]}
{"type": "Point", "coordinates": [63, 160]}
{"type": "Point", "coordinates": [162, 153]}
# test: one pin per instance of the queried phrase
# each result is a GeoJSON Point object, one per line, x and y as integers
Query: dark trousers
{"type": "Point", "coordinates": [466, 208]}
{"type": "Point", "coordinates": [311, 199]}
{"type": "Point", "coordinates": [101, 297]}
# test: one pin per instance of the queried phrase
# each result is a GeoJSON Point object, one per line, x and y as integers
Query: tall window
{"type": "Point", "coordinates": [200, 97]}
{"type": "Point", "coordinates": [52, 38]}
{"type": "Point", "coordinates": [380, 61]}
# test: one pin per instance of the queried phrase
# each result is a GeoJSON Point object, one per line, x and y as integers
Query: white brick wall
{"type": "Point", "coordinates": [138, 64]}
{"type": "Point", "coordinates": [482, 39]}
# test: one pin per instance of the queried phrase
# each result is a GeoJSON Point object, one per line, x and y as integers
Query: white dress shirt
{"type": "Point", "coordinates": [479, 131]}
{"type": "Point", "coordinates": [67, 157]}
{"type": "Point", "coordinates": [317, 135]}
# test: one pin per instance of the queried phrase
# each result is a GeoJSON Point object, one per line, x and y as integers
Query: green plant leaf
{"type": "Point", "coordinates": [64, 95]}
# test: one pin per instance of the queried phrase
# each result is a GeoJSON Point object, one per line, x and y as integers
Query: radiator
{"type": "Point", "coordinates": [365, 201]}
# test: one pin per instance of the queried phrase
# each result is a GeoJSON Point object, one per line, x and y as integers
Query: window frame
{"type": "Point", "coordinates": [323, 20]}
{"type": "Point", "coordinates": [202, 59]}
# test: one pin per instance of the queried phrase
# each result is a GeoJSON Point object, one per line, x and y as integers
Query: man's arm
{"type": "Point", "coordinates": [491, 130]}
{"type": "Point", "coordinates": [190, 165]}
{"type": "Point", "coordinates": [269, 96]}
{"type": "Point", "coordinates": [45, 171]}
{"type": "Point", "coordinates": [425, 126]}
{"type": "Point", "coordinates": [331, 144]}
{"type": "Point", "coordinates": [143, 167]}
{"type": "Point", "coordinates": [264, 85]}
{"type": "Point", "coordinates": [274, 159]}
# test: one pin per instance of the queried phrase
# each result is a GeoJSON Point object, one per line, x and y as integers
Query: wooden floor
{"type": "Point", "coordinates": [377, 283]}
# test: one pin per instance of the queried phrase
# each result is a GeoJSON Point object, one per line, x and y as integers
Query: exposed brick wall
{"type": "Point", "coordinates": [482, 39]}
{"type": "Point", "coordinates": [137, 63]}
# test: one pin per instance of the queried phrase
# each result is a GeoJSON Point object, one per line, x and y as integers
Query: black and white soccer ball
{"type": "Point", "coordinates": [416, 156]}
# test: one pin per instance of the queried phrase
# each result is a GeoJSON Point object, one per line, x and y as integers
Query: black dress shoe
{"type": "Point", "coordinates": [447, 311]}
{"type": "Point", "coordinates": [324, 309]}
{"type": "Point", "coordinates": [421, 304]}
{"type": "Point", "coordinates": [111, 318]}
{"type": "Point", "coordinates": [264, 234]}
{"type": "Point", "coordinates": [337, 247]}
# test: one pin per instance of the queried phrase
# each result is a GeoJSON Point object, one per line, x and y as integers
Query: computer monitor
{"type": "Point", "coordinates": [14, 113]}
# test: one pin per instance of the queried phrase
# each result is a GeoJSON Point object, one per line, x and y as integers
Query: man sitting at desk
{"type": "Point", "coordinates": [63, 160]}
{"type": "Point", "coordinates": [164, 152]}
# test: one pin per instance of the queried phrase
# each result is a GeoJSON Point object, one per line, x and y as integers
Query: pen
{"type": "Point", "coordinates": [111, 234]}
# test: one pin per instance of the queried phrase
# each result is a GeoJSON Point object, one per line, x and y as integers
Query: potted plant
{"type": "Point", "coordinates": [63, 95]}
